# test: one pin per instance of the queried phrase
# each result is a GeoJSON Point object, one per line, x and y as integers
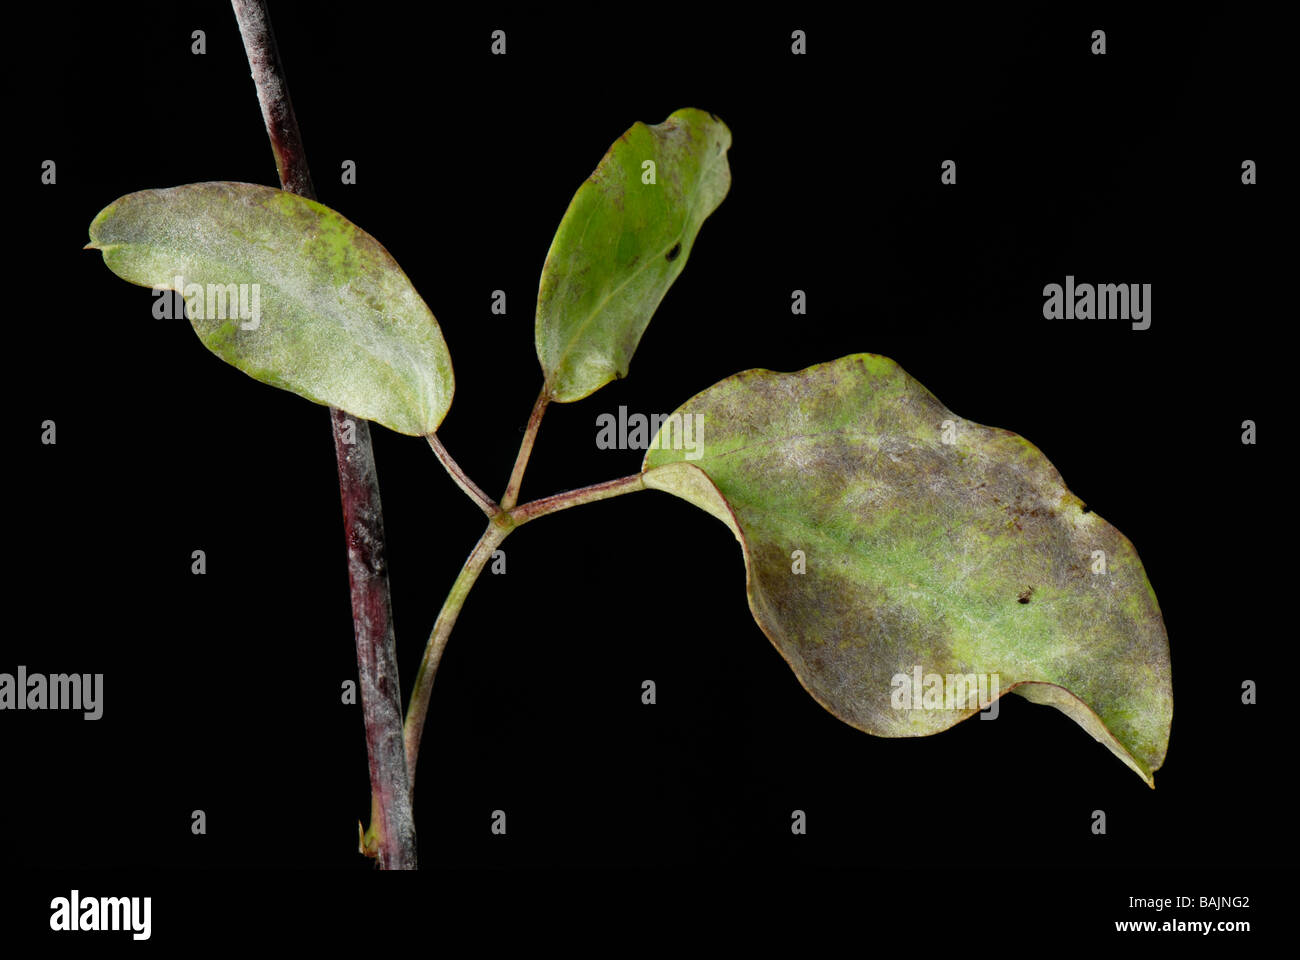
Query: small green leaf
{"type": "Point", "coordinates": [927, 542]}
{"type": "Point", "coordinates": [622, 243]}
{"type": "Point", "coordinates": [329, 314]}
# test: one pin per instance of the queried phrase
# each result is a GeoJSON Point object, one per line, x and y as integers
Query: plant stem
{"type": "Point", "coordinates": [500, 526]}
{"type": "Point", "coordinates": [419, 706]}
{"type": "Point", "coordinates": [472, 489]}
{"type": "Point", "coordinates": [391, 838]}
{"type": "Point", "coordinates": [273, 95]}
{"type": "Point", "coordinates": [572, 498]}
{"type": "Point", "coordinates": [511, 496]}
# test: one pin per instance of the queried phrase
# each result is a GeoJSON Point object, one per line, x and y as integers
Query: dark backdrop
{"type": "Point", "coordinates": [223, 691]}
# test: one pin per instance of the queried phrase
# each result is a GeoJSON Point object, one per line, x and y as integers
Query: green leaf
{"type": "Point", "coordinates": [330, 315]}
{"type": "Point", "coordinates": [958, 558]}
{"type": "Point", "coordinates": [621, 245]}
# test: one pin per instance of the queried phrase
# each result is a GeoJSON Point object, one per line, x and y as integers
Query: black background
{"type": "Point", "coordinates": [222, 692]}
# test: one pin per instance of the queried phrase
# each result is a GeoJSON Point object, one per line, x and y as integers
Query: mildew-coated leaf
{"type": "Point", "coordinates": [933, 547]}
{"type": "Point", "coordinates": [622, 243]}
{"type": "Point", "coordinates": [329, 314]}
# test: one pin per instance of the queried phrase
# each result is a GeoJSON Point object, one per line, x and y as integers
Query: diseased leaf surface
{"type": "Point", "coordinates": [621, 245]}
{"type": "Point", "coordinates": [336, 319]}
{"type": "Point", "coordinates": [958, 558]}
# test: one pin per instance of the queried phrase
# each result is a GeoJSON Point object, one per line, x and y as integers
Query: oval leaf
{"type": "Point", "coordinates": [622, 243]}
{"type": "Point", "coordinates": [290, 292]}
{"type": "Point", "coordinates": [932, 547]}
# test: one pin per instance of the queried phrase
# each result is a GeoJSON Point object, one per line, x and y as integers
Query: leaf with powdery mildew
{"type": "Point", "coordinates": [622, 243]}
{"type": "Point", "coordinates": [933, 548]}
{"type": "Point", "coordinates": [323, 310]}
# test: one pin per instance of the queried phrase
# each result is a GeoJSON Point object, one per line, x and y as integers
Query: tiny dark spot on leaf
{"type": "Point", "coordinates": [1087, 509]}
{"type": "Point", "coordinates": [672, 254]}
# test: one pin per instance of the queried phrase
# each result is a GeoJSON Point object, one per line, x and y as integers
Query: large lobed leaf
{"type": "Point", "coordinates": [963, 557]}
{"type": "Point", "coordinates": [339, 323]}
{"type": "Point", "coordinates": [621, 245]}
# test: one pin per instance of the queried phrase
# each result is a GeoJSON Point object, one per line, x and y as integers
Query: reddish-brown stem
{"type": "Point", "coordinates": [572, 498]}
{"type": "Point", "coordinates": [472, 489]}
{"type": "Point", "coordinates": [391, 838]}
{"type": "Point", "coordinates": [273, 95]}
{"type": "Point", "coordinates": [511, 496]}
